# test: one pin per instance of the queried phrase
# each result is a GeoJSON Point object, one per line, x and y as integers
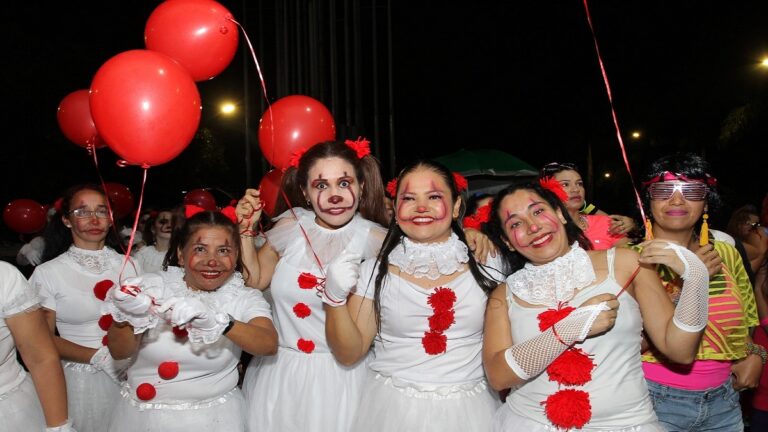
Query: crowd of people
{"type": "Point", "coordinates": [410, 307]}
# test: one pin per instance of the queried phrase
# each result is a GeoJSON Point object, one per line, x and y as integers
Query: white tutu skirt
{"type": "Point", "coordinates": [293, 391]}
{"type": "Point", "coordinates": [507, 420]}
{"type": "Point", "coordinates": [225, 413]}
{"type": "Point", "coordinates": [394, 406]}
{"type": "Point", "coordinates": [20, 409]}
{"type": "Point", "coordinates": [92, 396]}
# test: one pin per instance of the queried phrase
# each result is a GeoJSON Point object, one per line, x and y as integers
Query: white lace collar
{"type": "Point", "coordinates": [554, 282]}
{"type": "Point", "coordinates": [92, 261]}
{"type": "Point", "coordinates": [430, 260]}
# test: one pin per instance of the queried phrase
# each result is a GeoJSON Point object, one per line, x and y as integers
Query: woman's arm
{"type": "Point", "coordinates": [34, 342]}
{"type": "Point", "coordinates": [121, 340]}
{"type": "Point", "coordinates": [258, 336]}
{"type": "Point", "coordinates": [497, 337]}
{"type": "Point", "coordinates": [350, 329]}
{"type": "Point", "coordinates": [67, 350]}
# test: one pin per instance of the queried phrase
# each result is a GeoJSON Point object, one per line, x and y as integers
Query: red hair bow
{"type": "Point", "coordinates": [460, 181]}
{"type": "Point", "coordinates": [481, 216]}
{"type": "Point", "coordinates": [228, 211]}
{"type": "Point", "coordinates": [296, 157]}
{"type": "Point", "coordinates": [361, 146]}
{"type": "Point", "coordinates": [392, 187]}
{"type": "Point", "coordinates": [555, 187]}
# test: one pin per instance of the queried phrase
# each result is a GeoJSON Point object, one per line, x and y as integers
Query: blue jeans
{"type": "Point", "coordinates": [715, 409]}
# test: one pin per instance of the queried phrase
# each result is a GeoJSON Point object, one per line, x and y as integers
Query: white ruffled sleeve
{"type": "Point", "coordinates": [366, 284]}
{"type": "Point", "coordinates": [16, 294]}
{"type": "Point", "coordinates": [251, 304]}
{"type": "Point", "coordinates": [285, 231]}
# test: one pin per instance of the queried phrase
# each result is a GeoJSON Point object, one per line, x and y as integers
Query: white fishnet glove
{"type": "Point", "coordinates": [692, 306]}
{"type": "Point", "coordinates": [102, 360]}
{"type": "Point", "coordinates": [203, 324]}
{"type": "Point", "coordinates": [66, 427]}
{"type": "Point", "coordinates": [131, 303]}
{"type": "Point", "coordinates": [340, 277]}
{"type": "Point", "coordinates": [530, 358]}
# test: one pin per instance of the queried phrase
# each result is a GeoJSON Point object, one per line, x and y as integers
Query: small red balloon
{"type": "Point", "coordinates": [201, 198]}
{"type": "Point", "coordinates": [270, 190]}
{"type": "Point", "coordinates": [145, 106]}
{"type": "Point", "coordinates": [75, 121]}
{"type": "Point", "coordinates": [25, 216]}
{"type": "Point", "coordinates": [199, 34]}
{"type": "Point", "coordinates": [291, 124]}
{"type": "Point", "coordinates": [146, 391]}
{"type": "Point", "coordinates": [168, 370]}
{"type": "Point", "coordinates": [121, 199]}
{"type": "Point", "coordinates": [101, 288]}
{"type": "Point", "coordinates": [105, 321]}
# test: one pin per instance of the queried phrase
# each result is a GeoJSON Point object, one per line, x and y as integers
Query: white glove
{"type": "Point", "coordinates": [131, 303]}
{"type": "Point", "coordinates": [66, 427]}
{"type": "Point", "coordinates": [340, 277]}
{"type": "Point", "coordinates": [203, 324]}
{"type": "Point", "coordinates": [691, 312]}
{"type": "Point", "coordinates": [102, 360]}
{"type": "Point", "coordinates": [29, 255]}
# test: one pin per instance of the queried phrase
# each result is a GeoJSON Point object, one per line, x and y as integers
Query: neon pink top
{"type": "Point", "coordinates": [700, 375]}
{"type": "Point", "coordinates": [598, 233]}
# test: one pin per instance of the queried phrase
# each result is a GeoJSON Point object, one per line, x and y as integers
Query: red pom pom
{"type": "Point", "coordinates": [101, 288]}
{"type": "Point", "coordinates": [179, 332]}
{"type": "Point", "coordinates": [442, 299]}
{"type": "Point", "coordinates": [146, 391]}
{"type": "Point", "coordinates": [392, 188]}
{"type": "Point", "coordinates": [308, 281]}
{"type": "Point", "coordinates": [105, 321]}
{"type": "Point", "coordinates": [305, 345]}
{"type": "Point", "coordinates": [105, 340]}
{"type": "Point", "coordinates": [440, 321]}
{"type": "Point", "coordinates": [434, 342]}
{"type": "Point", "coordinates": [568, 409]}
{"type": "Point", "coordinates": [168, 370]}
{"type": "Point", "coordinates": [302, 310]}
{"type": "Point", "coordinates": [555, 187]}
{"type": "Point", "coordinates": [550, 317]}
{"type": "Point", "coordinates": [460, 181]}
{"type": "Point", "coordinates": [571, 368]}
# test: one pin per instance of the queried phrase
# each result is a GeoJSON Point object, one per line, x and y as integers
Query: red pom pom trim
{"type": "Point", "coordinates": [442, 299]}
{"type": "Point", "coordinates": [572, 368]}
{"type": "Point", "coordinates": [392, 188]}
{"type": "Point", "coordinates": [179, 332]}
{"type": "Point", "coordinates": [440, 321]}
{"type": "Point", "coordinates": [434, 342]}
{"type": "Point", "coordinates": [550, 317]}
{"type": "Point", "coordinates": [568, 408]}
{"type": "Point", "coordinates": [146, 392]}
{"type": "Point", "coordinates": [309, 281]}
{"type": "Point", "coordinates": [168, 370]}
{"type": "Point", "coordinates": [302, 310]}
{"type": "Point", "coordinates": [101, 288]}
{"type": "Point", "coordinates": [555, 187]}
{"type": "Point", "coordinates": [105, 321]}
{"type": "Point", "coordinates": [305, 345]}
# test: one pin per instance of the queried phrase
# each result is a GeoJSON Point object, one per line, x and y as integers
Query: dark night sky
{"type": "Point", "coordinates": [518, 76]}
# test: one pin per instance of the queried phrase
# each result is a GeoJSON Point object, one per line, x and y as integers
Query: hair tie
{"type": "Point", "coordinates": [296, 157]}
{"type": "Point", "coordinates": [392, 187]}
{"type": "Point", "coordinates": [460, 182]}
{"type": "Point", "coordinates": [361, 146]}
{"type": "Point", "coordinates": [228, 212]}
{"type": "Point", "coordinates": [554, 186]}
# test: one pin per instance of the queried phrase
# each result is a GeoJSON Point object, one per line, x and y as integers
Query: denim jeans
{"type": "Point", "coordinates": [715, 409]}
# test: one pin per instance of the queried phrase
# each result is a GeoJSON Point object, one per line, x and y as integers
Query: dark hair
{"type": "Point", "coordinates": [690, 165]}
{"type": "Point", "coordinates": [513, 260]}
{"type": "Point", "coordinates": [366, 172]}
{"type": "Point", "coordinates": [474, 199]}
{"type": "Point", "coordinates": [553, 168]}
{"type": "Point", "coordinates": [395, 235]}
{"type": "Point", "coordinates": [739, 217]}
{"type": "Point", "coordinates": [147, 235]}
{"type": "Point", "coordinates": [58, 238]}
{"type": "Point", "coordinates": [204, 219]}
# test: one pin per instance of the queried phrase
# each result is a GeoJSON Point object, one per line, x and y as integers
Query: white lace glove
{"type": "Point", "coordinates": [29, 255]}
{"type": "Point", "coordinates": [66, 427]}
{"type": "Point", "coordinates": [693, 305]}
{"type": "Point", "coordinates": [340, 277]}
{"type": "Point", "coordinates": [530, 358]}
{"type": "Point", "coordinates": [102, 360]}
{"type": "Point", "coordinates": [132, 304]}
{"type": "Point", "coordinates": [203, 324]}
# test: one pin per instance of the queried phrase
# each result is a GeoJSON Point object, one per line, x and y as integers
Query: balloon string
{"type": "Point", "coordinates": [304, 233]}
{"type": "Point", "coordinates": [134, 227]}
{"type": "Point", "coordinates": [613, 114]}
{"type": "Point", "coordinates": [263, 85]}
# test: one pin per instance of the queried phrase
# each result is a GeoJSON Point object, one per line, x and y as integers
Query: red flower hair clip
{"type": "Point", "coordinates": [361, 146]}
{"type": "Point", "coordinates": [296, 157]}
{"type": "Point", "coordinates": [481, 216]}
{"type": "Point", "coordinates": [555, 187]}
{"type": "Point", "coordinates": [460, 181]}
{"type": "Point", "coordinates": [392, 187]}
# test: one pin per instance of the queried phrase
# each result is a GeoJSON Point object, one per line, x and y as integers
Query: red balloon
{"type": "Point", "coordinates": [270, 190]}
{"type": "Point", "coordinates": [145, 106]}
{"type": "Point", "coordinates": [25, 216]}
{"type": "Point", "coordinates": [199, 34]}
{"type": "Point", "coordinates": [75, 121]}
{"type": "Point", "coordinates": [291, 124]}
{"type": "Point", "coordinates": [120, 198]}
{"type": "Point", "coordinates": [201, 198]}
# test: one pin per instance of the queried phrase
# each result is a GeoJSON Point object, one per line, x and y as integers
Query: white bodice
{"type": "Point", "coordinates": [150, 258]}
{"type": "Point", "coordinates": [16, 296]}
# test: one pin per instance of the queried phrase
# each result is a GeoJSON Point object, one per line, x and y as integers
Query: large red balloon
{"type": "Point", "coordinates": [75, 121]}
{"type": "Point", "coordinates": [293, 123]}
{"type": "Point", "coordinates": [145, 106]}
{"type": "Point", "coordinates": [199, 34]}
{"type": "Point", "coordinates": [270, 190]}
{"type": "Point", "coordinates": [201, 198]}
{"type": "Point", "coordinates": [25, 216]}
{"type": "Point", "coordinates": [120, 198]}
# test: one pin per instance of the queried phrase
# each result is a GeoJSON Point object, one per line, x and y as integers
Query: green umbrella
{"type": "Point", "coordinates": [484, 162]}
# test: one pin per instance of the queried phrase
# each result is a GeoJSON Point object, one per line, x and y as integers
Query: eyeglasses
{"type": "Point", "coordinates": [81, 213]}
{"type": "Point", "coordinates": [754, 225]}
{"type": "Point", "coordinates": [691, 191]}
{"type": "Point", "coordinates": [556, 167]}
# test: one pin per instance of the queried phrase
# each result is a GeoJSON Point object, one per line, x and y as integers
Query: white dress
{"type": "Point", "coordinates": [150, 259]}
{"type": "Point", "coordinates": [203, 395]}
{"type": "Point", "coordinates": [19, 407]}
{"type": "Point", "coordinates": [67, 285]}
{"type": "Point", "coordinates": [409, 389]}
{"type": "Point", "coordinates": [617, 392]}
{"type": "Point", "coordinates": [303, 387]}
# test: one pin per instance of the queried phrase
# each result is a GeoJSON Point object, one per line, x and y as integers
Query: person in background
{"type": "Point", "coordinates": [157, 235]}
{"type": "Point", "coordinates": [745, 226]}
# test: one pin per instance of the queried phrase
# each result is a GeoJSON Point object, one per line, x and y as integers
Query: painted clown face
{"type": "Point", "coordinates": [334, 191]}
{"type": "Point", "coordinates": [209, 258]}
{"type": "Point", "coordinates": [424, 206]}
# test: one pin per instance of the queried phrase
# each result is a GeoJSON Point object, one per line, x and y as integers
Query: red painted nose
{"type": "Point", "coordinates": [335, 199]}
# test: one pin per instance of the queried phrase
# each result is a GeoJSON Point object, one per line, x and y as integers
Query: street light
{"type": "Point", "coordinates": [228, 108]}
{"type": "Point", "coordinates": [636, 135]}
{"type": "Point", "coordinates": [764, 62]}
{"type": "Point", "coordinates": [607, 175]}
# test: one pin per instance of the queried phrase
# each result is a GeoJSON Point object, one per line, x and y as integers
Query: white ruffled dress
{"type": "Point", "coordinates": [19, 407]}
{"type": "Point", "coordinates": [303, 387]}
{"type": "Point", "coordinates": [408, 389]}
{"type": "Point", "coordinates": [66, 285]}
{"type": "Point", "coordinates": [150, 258]}
{"type": "Point", "coordinates": [203, 395]}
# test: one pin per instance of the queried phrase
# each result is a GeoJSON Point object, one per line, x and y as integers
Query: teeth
{"type": "Point", "coordinates": [540, 240]}
{"type": "Point", "coordinates": [422, 219]}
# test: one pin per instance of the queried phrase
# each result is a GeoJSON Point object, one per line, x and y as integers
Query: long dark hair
{"type": "Point", "coordinates": [395, 236]}
{"type": "Point", "coordinates": [366, 172]}
{"type": "Point", "coordinates": [58, 238]}
{"type": "Point", "coordinates": [147, 234]}
{"type": "Point", "coordinates": [513, 260]}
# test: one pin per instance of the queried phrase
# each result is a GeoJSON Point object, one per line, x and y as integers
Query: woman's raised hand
{"type": "Point", "coordinates": [609, 305]}
{"type": "Point", "coordinates": [249, 209]}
